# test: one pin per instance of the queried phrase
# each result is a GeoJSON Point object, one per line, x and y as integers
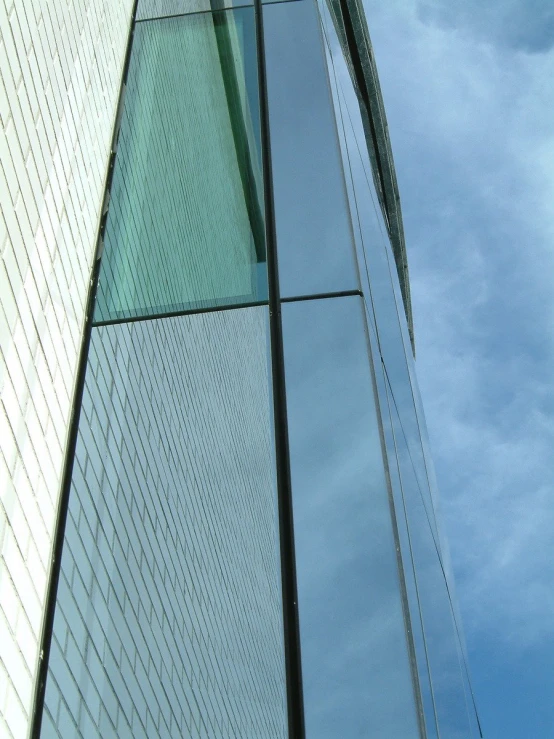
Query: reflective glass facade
{"type": "Point", "coordinates": [251, 546]}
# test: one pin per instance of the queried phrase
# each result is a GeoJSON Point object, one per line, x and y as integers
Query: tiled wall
{"type": "Point", "coordinates": [168, 620]}
{"type": "Point", "coordinates": [60, 65]}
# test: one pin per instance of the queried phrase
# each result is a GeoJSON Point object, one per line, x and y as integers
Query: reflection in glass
{"type": "Point", "coordinates": [355, 664]}
{"type": "Point", "coordinates": [168, 619]}
{"type": "Point", "coordinates": [185, 223]}
{"type": "Point", "coordinates": [420, 648]}
{"type": "Point", "coordinates": [378, 273]}
{"type": "Point", "coordinates": [314, 234]}
{"type": "Point", "coordinates": [442, 644]}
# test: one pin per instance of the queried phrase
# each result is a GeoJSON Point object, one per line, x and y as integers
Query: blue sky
{"type": "Point", "coordinates": [468, 89]}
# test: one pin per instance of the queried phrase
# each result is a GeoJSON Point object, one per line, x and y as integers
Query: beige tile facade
{"type": "Point", "coordinates": [60, 72]}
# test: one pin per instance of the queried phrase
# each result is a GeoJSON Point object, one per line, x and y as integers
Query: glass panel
{"type": "Point", "coordinates": [444, 545]}
{"type": "Point", "coordinates": [148, 9]}
{"type": "Point", "coordinates": [441, 638]}
{"type": "Point", "coordinates": [169, 617]}
{"type": "Point", "coordinates": [378, 272]}
{"type": "Point", "coordinates": [185, 223]}
{"type": "Point", "coordinates": [314, 234]}
{"type": "Point", "coordinates": [386, 318]}
{"type": "Point", "coordinates": [356, 671]}
{"type": "Point", "coordinates": [412, 593]}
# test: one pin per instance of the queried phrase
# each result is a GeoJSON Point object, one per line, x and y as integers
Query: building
{"type": "Point", "coordinates": [218, 504]}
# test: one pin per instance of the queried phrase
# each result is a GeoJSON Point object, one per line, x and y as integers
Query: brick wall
{"type": "Point", "coordinates": [60, 67]}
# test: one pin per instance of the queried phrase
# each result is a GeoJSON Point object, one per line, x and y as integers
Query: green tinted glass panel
{"type": "Point", "coordinates": [185, 225]}
{"type": "Point", "coordinates": [148, 9]}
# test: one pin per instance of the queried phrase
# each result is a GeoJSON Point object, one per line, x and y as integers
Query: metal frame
{"type": "Point", "coordinates": [291, 623]}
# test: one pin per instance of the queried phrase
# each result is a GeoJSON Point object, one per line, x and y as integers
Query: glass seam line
{"type": "Point", "coordinates": [427, 514]}
{"type": "Point", "coordinates": [324, 42]}
{"type": "Point", "coordinates": [394, 523]}
{"type": "Point", "coordinates": [338, 86]}
{"type": "Point", "coordinates": [437, 549]}
{"type": "Point", "coordinates": [390, 274]}
{"type": "Point", "coordinates": [291, 624]}
{"type": "Point", "coordinates": [454, 617]}
{"type": "Point", "coordinates": [340, 90]}
{"type": "Point", "coordinates": [459, 653]}
{"type": "Point", "coordinates": [418, 599]}
{"type": "Point", "coordinates": [362, 86]}
{"type": "Point", "coordinates": [239, 128]}
{"type": "Point", "coordinates": [398, 313]}
{"type": "Point", "coordinates": [435, 542]}
{"type": "Point", "coordinates": [73, 428]}
{"type": "Point", "coordinates": [230, 306]}
{"type": "Point", "coordinates": [224, 9]}
{"type": "Point", "coordinates": [395, 300]}
{"type": "Point", "coordinates": [410, 645]}
{"type": "Point", "coordinates": [323, 296]}
{"type": "Point", "coordinates": [369, 187]}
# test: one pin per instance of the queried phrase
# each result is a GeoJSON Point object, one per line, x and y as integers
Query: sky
{"type": "Point", "coordinates": [468, 90]}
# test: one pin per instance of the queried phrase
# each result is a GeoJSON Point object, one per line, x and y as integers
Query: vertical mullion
{"type": "Point", "coordinates": [291, 622]}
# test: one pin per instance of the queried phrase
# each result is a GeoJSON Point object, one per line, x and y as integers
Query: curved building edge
{"type": "Point", "coordinates": [352, 30]}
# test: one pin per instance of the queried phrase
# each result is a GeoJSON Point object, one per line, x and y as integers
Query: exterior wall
{"type": "Point", "coordinates": [168, 620]}
{"type": "Point", "coordinates": [60, 65]}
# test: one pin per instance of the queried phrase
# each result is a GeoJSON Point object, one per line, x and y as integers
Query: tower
{"type": "Point", "coordinates": [218, 501]}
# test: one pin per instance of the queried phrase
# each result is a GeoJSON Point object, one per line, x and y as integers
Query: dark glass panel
{"type": "Point", "coordinates": [314, 234]}
{"type": "Point", "coordinates": [185, 224]}
{"type": "Point", "coordinates": [356, 670]}
{"type": "Point", "coordinates": [168, 619]}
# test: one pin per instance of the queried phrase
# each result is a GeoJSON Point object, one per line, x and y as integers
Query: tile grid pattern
{"type": "Point", "coordinates": [60, 70]}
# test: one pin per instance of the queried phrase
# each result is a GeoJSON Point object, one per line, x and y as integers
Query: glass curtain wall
{"type": "Point", "coordinates": [446, 697]}
{"type": "Point", "coordinates": [354, 639]}
{"type": "Point", "coordinates": [171, 607]}
{"type": "Point", "coordinates": [185, 223]}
